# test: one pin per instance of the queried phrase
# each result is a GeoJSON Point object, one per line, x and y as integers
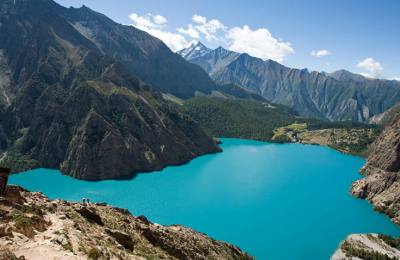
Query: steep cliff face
{"type": "Point", "coordinates": [381, 185]}
{"type": "Point", "coordinates": [35, 227]}
{"type": "Point", "coordinates": [144, 55]}
{"type": "Point", "coordinates": [337, 96]}
{"type": "Point", "coordinates": [69, 104]}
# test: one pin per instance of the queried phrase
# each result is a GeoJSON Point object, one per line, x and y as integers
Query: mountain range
{"type": "Point", "coordinates": [86, 95]}
{"type": "Point", "coordinates": [337, 96]}
{"type": "Point", "coordinates": [81, 93]}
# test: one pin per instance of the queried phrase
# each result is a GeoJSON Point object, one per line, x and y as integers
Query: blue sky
{"type": "Point", "coordinates": [362, 36]}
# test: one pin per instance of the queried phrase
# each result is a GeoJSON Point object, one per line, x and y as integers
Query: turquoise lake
{"type": "Point", "coordinates": [275, 201]}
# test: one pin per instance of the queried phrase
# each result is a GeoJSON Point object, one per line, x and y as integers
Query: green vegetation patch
{"type": "Point", "coordinates": [18, 162]}
{"type": "Point", "coordinates": [354, 140]}
{"type": "Point", "coordinates": [352, 251]}
{"type": "Point", "coordinates": [21, 221]}
{"type": "Point", "coordinates": [391, 241]}
{"type": "Point", "coordinates": [94, 254]}
{"type": "Point", "coordinates": [289, 132]}
{"type": "Point", "coordinates": [270, 122]}
{"type": "Point", "coordinates": [237, 118]}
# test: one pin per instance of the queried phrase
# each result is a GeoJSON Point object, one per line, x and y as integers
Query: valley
{"type": "Point", "coordinates": [265, 121]}
{"type": "Point", "coordinates": [126, 140]}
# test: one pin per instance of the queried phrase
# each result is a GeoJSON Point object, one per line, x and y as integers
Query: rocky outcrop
{"type": "Point", "coordinates": [91, 215]}
{"type": "Point", "coordinates": [386, 117]}
{"type": "Point", "coordinates": [381, 185]}
{"type": "Point", "coordinates": [368, 246]}
{"type": "Point", "coordinates": [68, 234]}
{"type": "Point", "coordinates": [74, 102]}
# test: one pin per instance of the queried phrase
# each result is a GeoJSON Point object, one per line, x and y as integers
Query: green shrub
{"type": "Point", "coordinates": [21, 221]}
{"type": "Point", "coordinates": [393, 242]}
{"type": "Point", "coordinates": [19, 162]}
{"type": "Point", "coordinates": [94, 254]}
{"type": "Point", "coordinates": [351, 251]}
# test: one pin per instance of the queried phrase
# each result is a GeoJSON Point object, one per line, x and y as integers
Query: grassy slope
{"type": "Point", "coordinates": [353, 140]}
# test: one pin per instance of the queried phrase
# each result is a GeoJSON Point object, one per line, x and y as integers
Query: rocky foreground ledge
{"type": "Point", "coordinates": [368, 246]}
{"type": "Point", "coordinates": [381, 187]}
{"type": "Point", "coordinates": [33, 226]}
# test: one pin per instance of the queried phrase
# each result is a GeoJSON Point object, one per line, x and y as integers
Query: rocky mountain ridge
{"type": "Point", "coordinates": [145, 56]}
{"type": "Point", "coordinates": [194, 50]}
{"type": "Point", "coordinates": [70, 103]}
{"type": "Point", "coordinates": [338, 96]}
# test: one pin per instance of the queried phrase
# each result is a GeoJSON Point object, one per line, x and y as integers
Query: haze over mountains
{"type": "Point", "coordinates": [337, 96]}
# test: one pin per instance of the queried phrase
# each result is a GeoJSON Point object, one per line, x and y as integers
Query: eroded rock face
{"type": "Point", "coordinates": [122, 238]}
{"type": "Point", "coordinates": [75, 103]}
{"type": "Point", "coordinates": [381, 185]}
{"type": "Point", "coordinates": [91, 215]}
{"type": "Point", "coordinates": [71, 235]}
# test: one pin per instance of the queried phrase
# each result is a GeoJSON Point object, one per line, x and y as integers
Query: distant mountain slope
{"type": "Point", "coordinates": [70, 102]}
{"type": "Point", "coordinates": [144, 55]}
{"type": "Point", "coordinates": [346, 75]}
{"type": "Point", "coordinates": [338, 96]}
{"type": "Point", "coordinates": [238, 118]}
{"type": "Point", "coordinates": [386, 117]}
{"type": "Point", "coordinates": [233, 91]}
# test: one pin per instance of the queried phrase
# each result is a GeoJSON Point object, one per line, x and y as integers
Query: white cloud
{"type": "Point", "coordinates": [155, 25]}
{"type": "Point", "coordinates": [259, 43]}
{"type": "Point", "coordinates": [199, 19]}
{"type": "Point", "coordinates": [190, 31]}
{"type": "Point", "coordinates": [211, 29]}
{"type": "Point", "coordinates": [174, 41]}
{"type": "Point", "coordinates": [142, 22]}
{"type": "Point", "coordinates": [395, 78]}
{"type": "Point", "coordinates": [160, 20]}
{"type": "Point", "coordinates": [320, 53]}
{"type": "Point", "coordinates": [374, 68]}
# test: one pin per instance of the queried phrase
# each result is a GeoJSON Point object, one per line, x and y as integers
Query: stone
{"type": "Point", "coordinates": [90, 215]}
{"type": "Point", "coordinates": [382, 172]}
{"type": "Point", "coordinates": [4, 173]}
{"type": "Point", "coordinates": [5, 230]}
{"type": "Point", "coordinates": [122, 238]}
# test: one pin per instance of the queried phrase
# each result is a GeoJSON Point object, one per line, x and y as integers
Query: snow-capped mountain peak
{"type": "Point", "coordinates": [194, 50]}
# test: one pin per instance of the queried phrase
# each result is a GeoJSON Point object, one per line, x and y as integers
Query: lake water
{"type": "Point", "coordinates": [276, 201]}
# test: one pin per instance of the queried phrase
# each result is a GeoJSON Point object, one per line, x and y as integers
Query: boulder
{"type": "Point", "coordinates": [91, 215]}
{"type": "Point", "coordinates": [5, 230]}
{"type": "Point", "coordinates": [122, 238]}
